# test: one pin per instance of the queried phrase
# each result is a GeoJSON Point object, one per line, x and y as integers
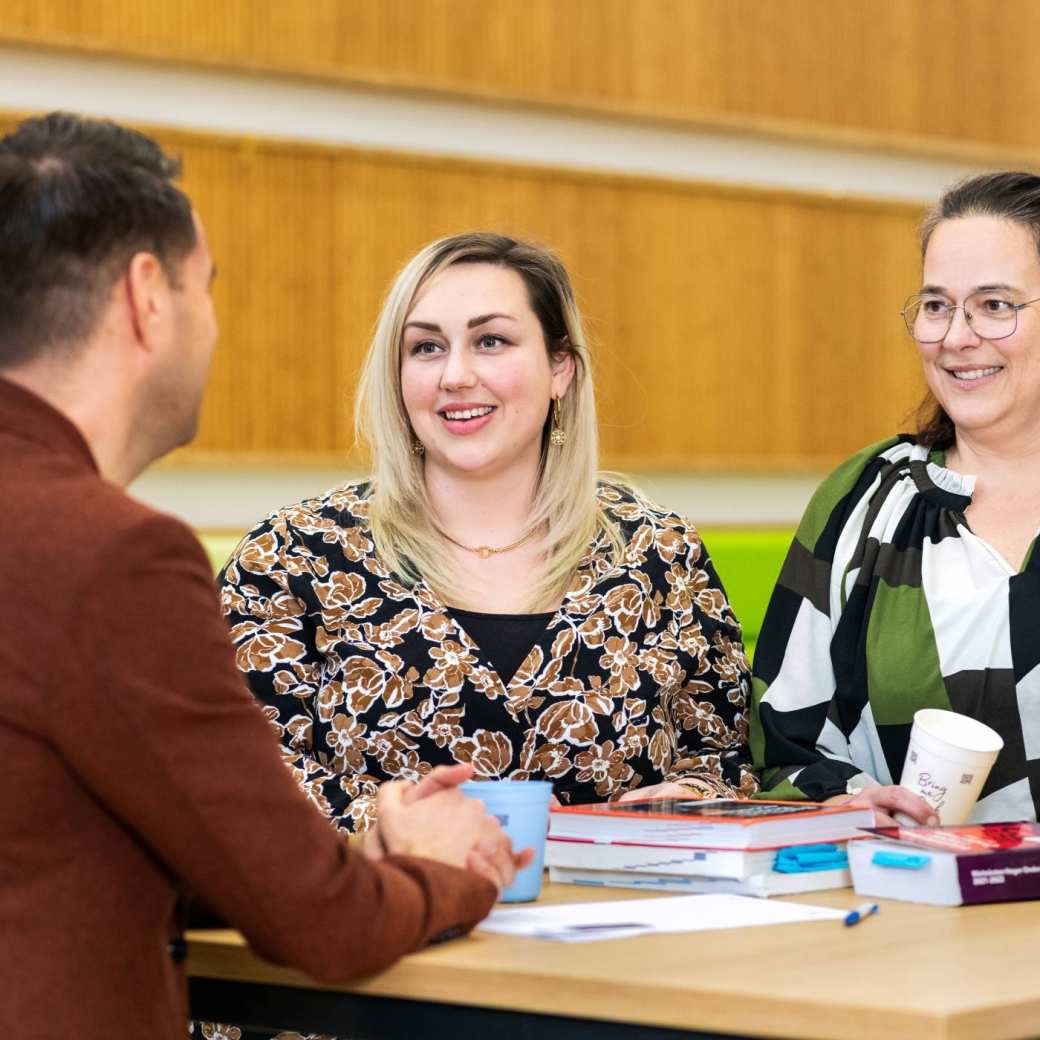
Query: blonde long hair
{"type": "Point", "coordinates": [565, 504]}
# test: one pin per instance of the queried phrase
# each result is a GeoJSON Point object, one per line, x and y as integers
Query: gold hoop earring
{"type": "Point", "coordinates": [418, 448]}
{"type": "Point", "coordinates": [558, 437]}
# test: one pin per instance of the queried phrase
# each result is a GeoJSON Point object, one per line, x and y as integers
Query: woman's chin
{"type": "Point", "coordinates": [977, 417]}
{"type": "Point", "coordinates": [474, 460]}
{"type": "Point", "coordinates": [467, 463]}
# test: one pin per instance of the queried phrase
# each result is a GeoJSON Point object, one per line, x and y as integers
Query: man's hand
{"type": "Point", "coordinates": [441, 778]}
{"type": "Point", "coordinates": [433, 819]}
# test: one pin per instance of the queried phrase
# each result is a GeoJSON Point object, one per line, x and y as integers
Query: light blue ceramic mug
{"type": "Point", "coordinates": [522, 808]}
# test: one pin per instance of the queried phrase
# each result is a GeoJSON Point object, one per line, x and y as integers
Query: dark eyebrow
{"type": "Point", "coordinates": [484, 318]}
{"type": "Point", "coordinates": [430, 326]}
{"type": "Point", "coordinates": [938, 290]}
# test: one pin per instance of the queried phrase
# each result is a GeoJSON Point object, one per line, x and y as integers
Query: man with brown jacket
{"type": "Point", "coordinates": [135, 765]}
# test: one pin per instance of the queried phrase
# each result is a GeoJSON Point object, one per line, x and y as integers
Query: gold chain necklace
{"type": "Point", "coordinates": [484, 551]}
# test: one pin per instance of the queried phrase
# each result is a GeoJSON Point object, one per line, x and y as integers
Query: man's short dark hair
{"type": "Point", "coordinates": [78, 198]}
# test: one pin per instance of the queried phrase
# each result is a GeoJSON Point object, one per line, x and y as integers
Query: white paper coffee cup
{"type": "Point", "coordinates": [948, 760]}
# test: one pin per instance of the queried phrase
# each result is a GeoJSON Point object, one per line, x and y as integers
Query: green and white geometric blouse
{"type": "Point", "coordinates": [886, 603]}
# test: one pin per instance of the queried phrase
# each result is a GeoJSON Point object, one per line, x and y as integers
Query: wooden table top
{"type": "Point", "coordinates": [911, 971]}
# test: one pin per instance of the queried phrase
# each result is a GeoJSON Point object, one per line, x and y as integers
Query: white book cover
{"type": "Point", "coordinates": [769, 883]}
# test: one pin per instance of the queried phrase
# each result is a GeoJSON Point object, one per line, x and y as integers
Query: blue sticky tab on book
{"type": "Point", "coordinates": [901, 860]}
{"type": "Point", "coordinates": [800, 859]}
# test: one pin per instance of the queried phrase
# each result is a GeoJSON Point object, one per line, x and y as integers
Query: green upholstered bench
{"type": "Point", "coordinates": [748, 561]}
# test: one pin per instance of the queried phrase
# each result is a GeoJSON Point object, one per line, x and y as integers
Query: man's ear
{"type": "Point", "coordinates": [148, 297]}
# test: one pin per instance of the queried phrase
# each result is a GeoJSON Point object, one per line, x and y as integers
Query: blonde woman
{"type": "Point", "coordinates": [486, 597]}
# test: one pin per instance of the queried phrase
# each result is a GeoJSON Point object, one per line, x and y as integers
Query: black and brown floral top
{"type": "Point", "coordinates": [638, 678]}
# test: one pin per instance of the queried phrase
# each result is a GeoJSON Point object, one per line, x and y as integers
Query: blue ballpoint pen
{"type": "Point", "coordinates": [864, 910]}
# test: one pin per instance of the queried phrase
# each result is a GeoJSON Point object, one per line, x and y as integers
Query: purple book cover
{"type": "Point", "coordinates": [999, 876]}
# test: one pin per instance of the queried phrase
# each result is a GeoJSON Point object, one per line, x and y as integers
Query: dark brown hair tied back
{"type": "Point", "coordinates": [1009, 195]}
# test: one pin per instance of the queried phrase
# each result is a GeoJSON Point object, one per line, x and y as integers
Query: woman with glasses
{"type": "Point", "coordinates": [912, 581]}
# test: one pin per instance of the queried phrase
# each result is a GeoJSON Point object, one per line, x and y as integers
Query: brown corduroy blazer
{"type": "Point", "coordinates": [135, 765]}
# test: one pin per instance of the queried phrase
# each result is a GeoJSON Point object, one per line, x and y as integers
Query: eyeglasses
{"type": "Point", "coordinates": [990, 315]}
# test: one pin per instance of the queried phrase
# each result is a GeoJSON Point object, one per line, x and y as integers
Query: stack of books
{"type": "Point", "coordinates": [950, 866]}
{"type": "Point", "coordinates": [758, 848]}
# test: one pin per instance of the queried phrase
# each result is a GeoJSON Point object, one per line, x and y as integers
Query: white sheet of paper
{"type": "Point", "coordinates": [587, 922]}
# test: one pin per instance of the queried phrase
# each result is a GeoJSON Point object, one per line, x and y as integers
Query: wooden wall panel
{"type": "Point", "coordinates": [937, 71]}
{"type": "Point", "coordinates": [733, 329]}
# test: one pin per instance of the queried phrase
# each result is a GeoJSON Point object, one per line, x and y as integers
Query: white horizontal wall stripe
{"type": "Point", "coordinates": [235, 499]}
{"type": "Point", "coordinates": [240, 103]}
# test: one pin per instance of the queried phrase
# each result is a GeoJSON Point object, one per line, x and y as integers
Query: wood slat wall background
{"type": "Point", "coordinates": [950, 70]}
{"type": "Point", "coordinates": [732, 329]}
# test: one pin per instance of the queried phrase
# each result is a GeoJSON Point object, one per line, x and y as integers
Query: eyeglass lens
{"type": "Point", "coordinates": [928, 318]}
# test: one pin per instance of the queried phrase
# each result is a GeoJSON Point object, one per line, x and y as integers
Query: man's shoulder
{"type": "Point", "coordinates": [88, 556]}
{"type": "Point", "coordinates": [101, 525]}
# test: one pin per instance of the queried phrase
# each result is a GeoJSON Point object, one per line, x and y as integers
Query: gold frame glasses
{"type": "Point", "coordinates": [990, 315]}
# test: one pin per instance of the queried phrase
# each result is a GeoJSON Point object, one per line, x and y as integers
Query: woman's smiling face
{"type": "Point", "coordinates": [476, 377]}
{"type": "Point", "coordinates": [986, 386]}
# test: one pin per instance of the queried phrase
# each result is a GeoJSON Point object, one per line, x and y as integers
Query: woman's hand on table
{"type": "Point", "coordinates": [886, 802]}
{"type": "Point", "coordinates": [649, 794]}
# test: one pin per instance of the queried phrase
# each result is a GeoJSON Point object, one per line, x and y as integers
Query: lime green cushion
{"type": "Point", "coordinates": [748, 562]}
{"type": "Point", "coordinates": [218, 546]}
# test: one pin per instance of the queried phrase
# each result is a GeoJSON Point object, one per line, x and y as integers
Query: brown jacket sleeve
{"type": "Point", "coordinates": [157, 721]}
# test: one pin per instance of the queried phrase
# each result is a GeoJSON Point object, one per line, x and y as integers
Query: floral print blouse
{"type": "Point", "coordinates": [639, 677]}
